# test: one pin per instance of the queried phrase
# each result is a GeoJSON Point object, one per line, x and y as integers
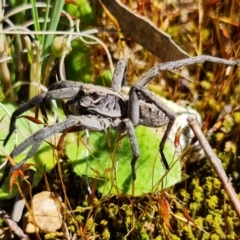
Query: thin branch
{"type": "Point", "coordinates": [216, 163]}
{"type": "Point", "coordinates": [17, 231]}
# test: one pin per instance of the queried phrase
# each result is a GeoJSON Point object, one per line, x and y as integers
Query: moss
{"type": "Point", "coordinates": [90, 226]}
{"type": "Point", "coordinates": [236, 116]}
{"type": "Point", "coordinates": [106, 234]}
{"type": "Point", "coordinates": [206, 85]}
{"type": "Point", "coordinates": [184, 195]}
{"type": "Point", "coordinates": [219, 136]}
{"type": "Point", "coordinates": [52, 236]}
{"type": "Point", "coordinates": [198, 195]}
{"type": "Point", "coordinates": [187, 233]}
{"type": "Point", "coordinates": [212, 202]}
{"type": "Point", "coordinates": [228, 124]}
{"type": "Point", "coordinates": [214, 237]}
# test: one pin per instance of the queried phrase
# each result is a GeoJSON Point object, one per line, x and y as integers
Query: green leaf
{"type": "Point", "coordinates": [110, 163]}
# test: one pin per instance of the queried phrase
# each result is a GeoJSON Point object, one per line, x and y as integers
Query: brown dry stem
{"type": "Point", "coordinates": [216, 163]}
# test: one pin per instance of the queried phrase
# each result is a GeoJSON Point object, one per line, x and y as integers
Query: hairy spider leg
{"type": "Point", "coordinates": [119, 75]}
{"type": "Point", "coordinates": [90, 122]}
{"type": "Point", "coordinates": [39, 100]}
{"type": "Point", "coordinates": [134, 145]}
{"type": "Point", "coordinates": [134, 114]}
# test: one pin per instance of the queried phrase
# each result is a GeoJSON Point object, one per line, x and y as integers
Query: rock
{"type": "Point", "coordinates": [46, 215]}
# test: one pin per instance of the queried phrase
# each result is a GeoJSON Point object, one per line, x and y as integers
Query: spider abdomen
{"type": "Point", "coordinates": [151, 116]}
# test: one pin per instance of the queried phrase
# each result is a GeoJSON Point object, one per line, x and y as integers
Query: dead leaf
{"type": "Point", "coordinates": [143, 31]}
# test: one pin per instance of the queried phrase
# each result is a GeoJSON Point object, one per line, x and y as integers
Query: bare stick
{"type": "Point", "coordinates": [216, 163]}
{"type": "Point", "coordinates": [13, 225]}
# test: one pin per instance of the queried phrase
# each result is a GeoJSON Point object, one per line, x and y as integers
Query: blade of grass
{"type": "Point", "coordinates": [35, 18]}
{"type": "Point", "coordinates": [54, 16]}
{"type": "Point", "coordinates": [45, 21]}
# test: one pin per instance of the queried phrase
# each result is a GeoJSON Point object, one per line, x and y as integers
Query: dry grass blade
{"type": "Point", "coordinates": [20, 200]}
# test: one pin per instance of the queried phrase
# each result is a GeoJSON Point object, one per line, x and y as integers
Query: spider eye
{"type": "Point", "coordinates": [81, 92]}
{"type": "Point", "coordinates": [95, 96]}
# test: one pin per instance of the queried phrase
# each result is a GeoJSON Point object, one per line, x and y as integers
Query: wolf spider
{"type": "Point", "coordinates": [98, 108]}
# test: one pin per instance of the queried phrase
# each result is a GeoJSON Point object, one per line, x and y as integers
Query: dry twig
{"type": "Point", "coordinates": [216, 163]}
{"type": "Point", "coordinates": [17, 231]}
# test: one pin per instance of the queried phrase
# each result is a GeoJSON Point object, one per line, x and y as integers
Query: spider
{"type": "Point", "coordinates": [98, 108]}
